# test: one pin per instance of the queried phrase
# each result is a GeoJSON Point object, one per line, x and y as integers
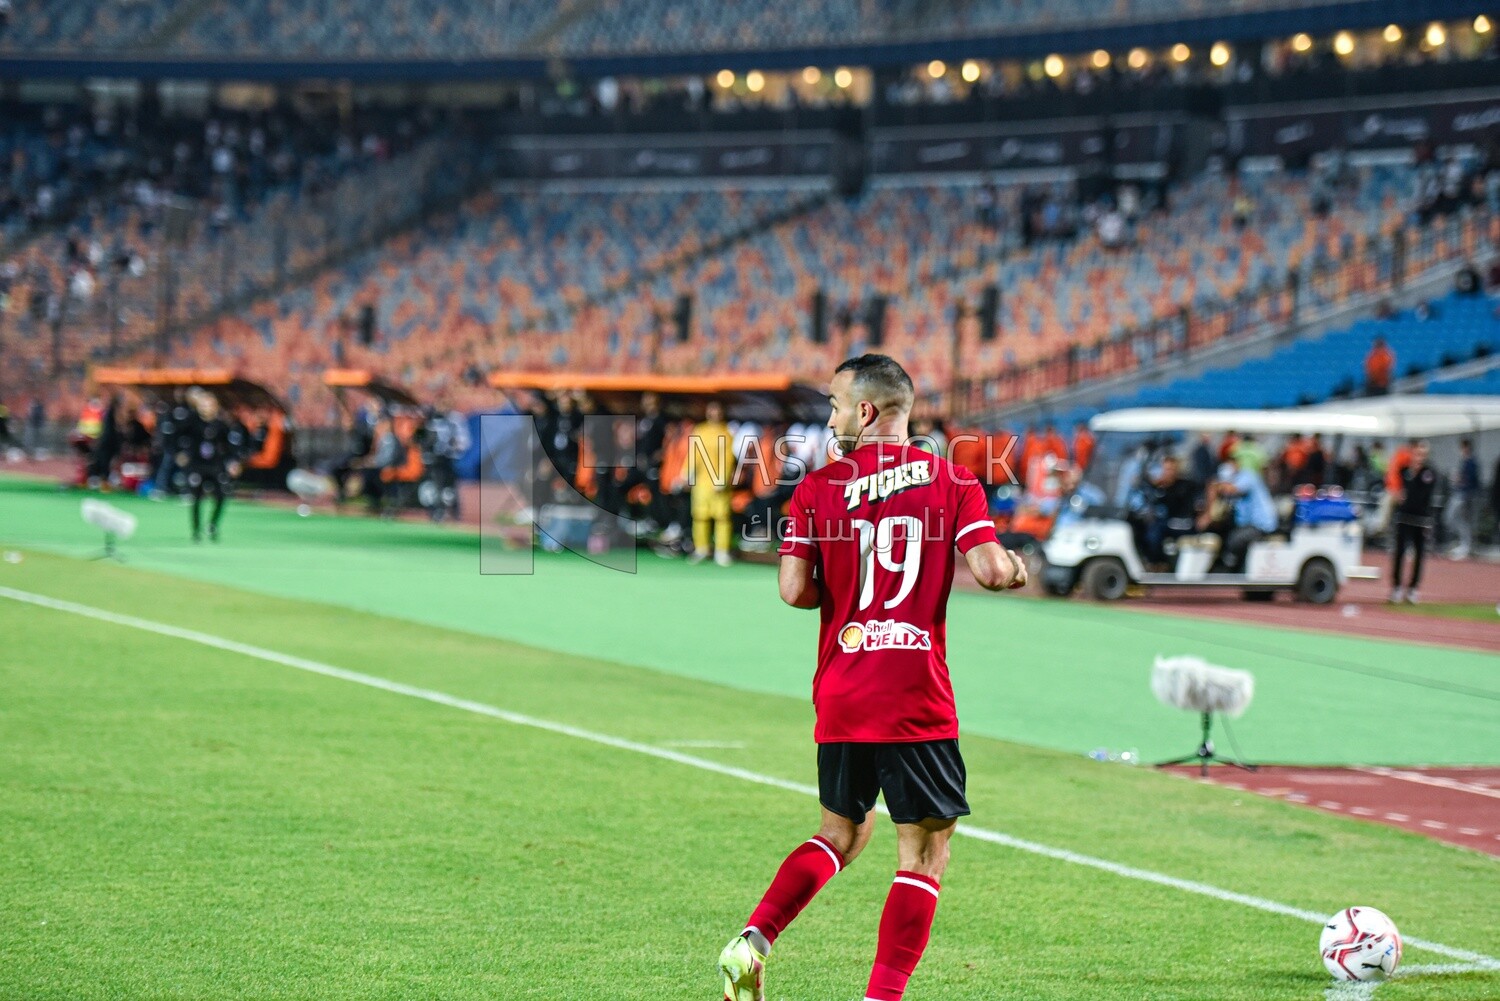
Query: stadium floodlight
{"type": "Point", "coordinates": [843, 78]}
{"type": "Point", "coordinates": [970, 71]}
{"type": "Point", "coordinates": [1138, 59]}
{"type": "Point", "coordinates": [1101, 59]}
{"type": "Point", "coordinates": [1343, 43]}
{"type": "Point", "coordinates": [117, 526]}
{"type": "Point", "coordinates": [1482, 25]}
{"type": "Point", "coordinates": [937, 69]}
{"type": "Point", "coordinates": [1181, 53]}
{"type": "Point", "coordinates": [1437, 35]}
{"type": "Point", "coordinates": [1191, 683]}
{"type": "Point", "coordinates": [811, 75]}
{"type": "Point", "coordinates": [1393, 33]}
{"type": "Point", "coordinates": [1219, 54]}
{"type": "Point", "coordinates": [725, 79]}
{"type": "Point", "coordinates": [1301, 41]}
{"type": "Point", "coordinates": [1053, 66]}
{"type": "Point", "coordinates": [755, 81]}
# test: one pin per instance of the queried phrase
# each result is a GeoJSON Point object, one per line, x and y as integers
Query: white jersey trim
{"type": "Point", "coordinates": [916, 882]}
{"type": "Point", "coordinates": [969, 528]}
{"type": "Point", "coordinates": [838, 863]}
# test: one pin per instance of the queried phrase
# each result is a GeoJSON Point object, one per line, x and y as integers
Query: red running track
{"type": "Point", "coordinates": [1360, 609]}
{"type": "Point", "coordinates": [1458, 805]}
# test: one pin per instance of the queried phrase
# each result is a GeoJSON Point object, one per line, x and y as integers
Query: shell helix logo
{"type": "Point", "coordinates": [883, 634]}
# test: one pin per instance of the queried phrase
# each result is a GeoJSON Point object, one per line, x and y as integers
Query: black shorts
{"type": "Point", "coordinates": [920, 780]}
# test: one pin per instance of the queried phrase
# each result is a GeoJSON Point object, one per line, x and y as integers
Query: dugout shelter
{"type": "Point", "coordinates": [263, 413]}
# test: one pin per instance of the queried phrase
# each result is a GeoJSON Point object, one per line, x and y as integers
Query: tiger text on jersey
{"type": "Point", "coordinates": [878, 486]}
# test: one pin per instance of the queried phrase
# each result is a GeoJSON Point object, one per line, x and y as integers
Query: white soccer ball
{"type": "Point", "coordinates": [1360, 943]}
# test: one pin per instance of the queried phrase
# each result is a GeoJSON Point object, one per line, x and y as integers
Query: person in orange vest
{"type": "Point", "coordinates": [1031, 451]}
{"type": "Point", "coordinates": [1293, 459]}
{"type": "Point", "coordinates": [761, 470]}
{"type": "Point", "coordinates": [676, 506]}
{"type": "Point", "coordinates": [1379, 364]}
{"type": "Point", "coordinates": [966, 448]}
{"type": "Point", "coordinates": [1230, 442]}
{"type": "Point", "coordinates": [1053, 446]}
{"type": "Point", "coordinates": [1393, 470]}
{"type": "Point", "coordinates": [1083, 445]}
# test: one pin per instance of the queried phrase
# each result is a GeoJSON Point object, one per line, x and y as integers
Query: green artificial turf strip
{"type": "Point", "coordinates": [182, 822]}
{"type": "Point", "coordinates": [1068, 675]}
{"type": "Point", "coordinates": [1473, 613]}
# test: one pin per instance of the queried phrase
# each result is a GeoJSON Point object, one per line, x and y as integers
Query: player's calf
{"type": "Point", "coordinates": [905, 924]}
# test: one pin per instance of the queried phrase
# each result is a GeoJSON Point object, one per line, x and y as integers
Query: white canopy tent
{"type": "Point", "coordinates": [1376, 417]}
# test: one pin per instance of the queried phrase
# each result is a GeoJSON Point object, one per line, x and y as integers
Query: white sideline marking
{"type": "Point", "coordinates": [1437, 781]}
{"type": "Point", "coordinates": [1349, 991]}
{"type": "Point", "coordinates": [1474, 959]}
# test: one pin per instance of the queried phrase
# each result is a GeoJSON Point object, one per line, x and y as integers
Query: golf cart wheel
{"type": "Point", "coordinates": [1258, 595]}
{"type": "Point", "coordinates": [1105, 579]}
{"type": "Point", "coordinates": [1317, 583]}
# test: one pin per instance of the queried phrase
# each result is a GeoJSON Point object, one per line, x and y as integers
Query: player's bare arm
{"type": "Point", "coordinates": [994, 567]}
{"type": "Point", "coordinates": [799, 586]}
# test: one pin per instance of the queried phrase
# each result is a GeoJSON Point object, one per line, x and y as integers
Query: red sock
{"type": "Point", "coordinates": [812, 864]}
{"type": "Point", "coordinates": [904, 926]}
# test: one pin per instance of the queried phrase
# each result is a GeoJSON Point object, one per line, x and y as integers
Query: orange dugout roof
{"type": "Point", "coordinates": [339, 379]}
{"type": "Point", "coordinates": [748, 396]}
{"type": "Point", "coordinates": [230, 388]}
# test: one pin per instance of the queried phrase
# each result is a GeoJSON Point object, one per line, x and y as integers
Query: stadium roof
{"type": "Point", "coordinates": [1022, 41]}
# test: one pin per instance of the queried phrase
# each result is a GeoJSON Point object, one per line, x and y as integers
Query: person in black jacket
{"type": "Point", "coordinates": [107, 446]}
{"type": "Point", "coordinates": [173, 417]}
{"type": "Point", "coordinates": [1169, 511]}
{"type": "Point", "coordinates": [1413, 521]}
{"type": "Point", "coordinates": [1495, 498]}
{"type": "Point", "coordinates": [210, 450]}
{"type": "Point", "coordinates": [361, 439]}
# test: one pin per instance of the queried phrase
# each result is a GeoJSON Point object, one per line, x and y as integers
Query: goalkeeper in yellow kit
{"type": "Point", "coordinates": [710, 471]}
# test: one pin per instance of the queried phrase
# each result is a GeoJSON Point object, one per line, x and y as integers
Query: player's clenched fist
{"type": "Point", "coordinates": [1021, 577]}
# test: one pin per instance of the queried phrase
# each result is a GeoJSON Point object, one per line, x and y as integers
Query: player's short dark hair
{"type": "Point", "coordinates": [881, 380]}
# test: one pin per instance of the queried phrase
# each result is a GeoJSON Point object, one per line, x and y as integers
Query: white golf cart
{"type": "Point", "coordinates": [1093, 545]}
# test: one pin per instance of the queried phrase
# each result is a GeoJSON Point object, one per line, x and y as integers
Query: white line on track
{"type": "Point", "coordinates": [1436, 781]}
{"type": "Point", "coordinates": [1473, 959]}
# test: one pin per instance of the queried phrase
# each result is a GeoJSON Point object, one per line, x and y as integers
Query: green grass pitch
{"type": "Point", "coordinates": [183, 822]}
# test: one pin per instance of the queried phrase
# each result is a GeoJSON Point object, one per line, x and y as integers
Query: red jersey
{"type": "Point", "coordinates": [882, 525]}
